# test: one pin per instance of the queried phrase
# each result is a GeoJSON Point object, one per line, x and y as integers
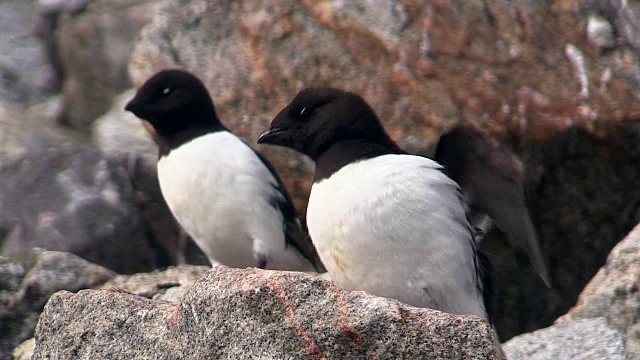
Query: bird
{"type": "Point", "coordinates": [492, 181]}
{"type": "Point", "coordinates": [225, 195]}
{"type": "Point", "coordinates": [383, 221]}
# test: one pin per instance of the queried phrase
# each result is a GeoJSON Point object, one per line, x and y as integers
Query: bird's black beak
{"type": "Point", "coordinates": [271, 136]}
{"type": "Point", "coordinates": [132, 105]}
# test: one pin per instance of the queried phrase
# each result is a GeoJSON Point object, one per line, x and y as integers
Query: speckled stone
{"type": "Point", "coordinates": [251, 313]}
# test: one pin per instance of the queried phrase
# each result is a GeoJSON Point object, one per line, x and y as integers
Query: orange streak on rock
{"type": "Point", "coordinates": [311, 348]}
{"type": "Point", "coordinates": [344, 312]}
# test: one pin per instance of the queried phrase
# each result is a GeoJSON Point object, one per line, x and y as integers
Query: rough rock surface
{"type": "Point", "coordinates": [95, 47]}
{"type": "Point", "coordinates": [167, 284]}
{"type": "Point", "coordinates": [71, 199]}
{"type": "Point", "coordinates": [556, 80]}
{"type": "Point", "coordinates": [585, 339]}
{"type": "Point", "coordinates": [26, 285]}
{"type": "Point", "coordinates": [423, 65]}
{"type": "Point", "coordinates": [404, 62]}
{"type": "Point", "coordinates": [252, 313]}
{"type": "Point", "coordinates": [614, 293]}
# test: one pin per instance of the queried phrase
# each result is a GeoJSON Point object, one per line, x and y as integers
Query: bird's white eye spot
{"type": "Point", "coordinates": [165, 91]}
{"type": "Point", "coordinates": [304, 109]}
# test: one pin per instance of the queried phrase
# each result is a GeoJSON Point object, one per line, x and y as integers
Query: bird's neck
{"type": "Point", "coordinates": [345, 152]}
{"type": "Point", "coordinates": [168, 142]}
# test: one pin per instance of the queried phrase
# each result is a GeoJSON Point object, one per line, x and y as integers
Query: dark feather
{"type": "Point", "coordinates": [491, 178]}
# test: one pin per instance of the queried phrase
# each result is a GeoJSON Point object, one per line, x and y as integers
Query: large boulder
{"type": "Point", "coordinates": [70, 198]}
{"type": "Point", "coordinates": [27, 283]}
{"type": "Point", "coordinates": [556, 81]}
{"type": "Point", "coordinates": [423, 65]}
{"type": "Point", "coordinates": [252, 313]}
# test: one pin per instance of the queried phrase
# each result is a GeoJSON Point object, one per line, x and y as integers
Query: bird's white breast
{"type": "Point", "coordinates": [221, 193]}
{"type": "Point", "coordinates": [394, 225]}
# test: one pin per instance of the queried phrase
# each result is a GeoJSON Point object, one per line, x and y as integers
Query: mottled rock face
{"type": "Point", "coordinates": [71, 199]}
{"type": "Point", "coordinates": [26, 285]}
{"type": "Point", "coordinates": [496, 63]}
{"type": "Point", "coordinates": [252, 313]}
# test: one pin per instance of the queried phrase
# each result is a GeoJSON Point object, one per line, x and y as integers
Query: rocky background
{"type": "Point", "coordinates": [558, 81]}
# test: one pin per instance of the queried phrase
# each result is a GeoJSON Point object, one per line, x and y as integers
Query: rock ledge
{"type": "Point", "coordinates": [252, 313]}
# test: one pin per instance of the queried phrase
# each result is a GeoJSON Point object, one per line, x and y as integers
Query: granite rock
{"type": "Point", "coordinates": [252, 313]}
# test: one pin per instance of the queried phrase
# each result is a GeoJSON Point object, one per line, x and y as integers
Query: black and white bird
{"type": "Point", "coordinates": [492, 182]}
{"type": "Point", "coordinates": [382, 221]}
{"type": "Point", "coordinates": [222, 192]}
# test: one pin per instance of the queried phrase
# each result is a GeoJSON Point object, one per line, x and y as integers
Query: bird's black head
{"type": "Point", "coordinates": [319, 118]}
{"type": "Point", "coordinates": [173, 101]}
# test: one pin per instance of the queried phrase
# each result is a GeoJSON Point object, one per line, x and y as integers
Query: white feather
{"type": "Point", "coordinates": [394, 226]}
{"type": "Point", "coordinates": [220, 191]}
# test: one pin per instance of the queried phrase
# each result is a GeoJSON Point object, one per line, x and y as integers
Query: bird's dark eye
{"type": "Point", "coordinates": [166, 91]}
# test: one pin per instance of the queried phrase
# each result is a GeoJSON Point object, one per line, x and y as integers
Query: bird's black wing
{"type": "Point", "coordinates": [491, 178]}
{"type": "Point", "coordinates": [296, 234]}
